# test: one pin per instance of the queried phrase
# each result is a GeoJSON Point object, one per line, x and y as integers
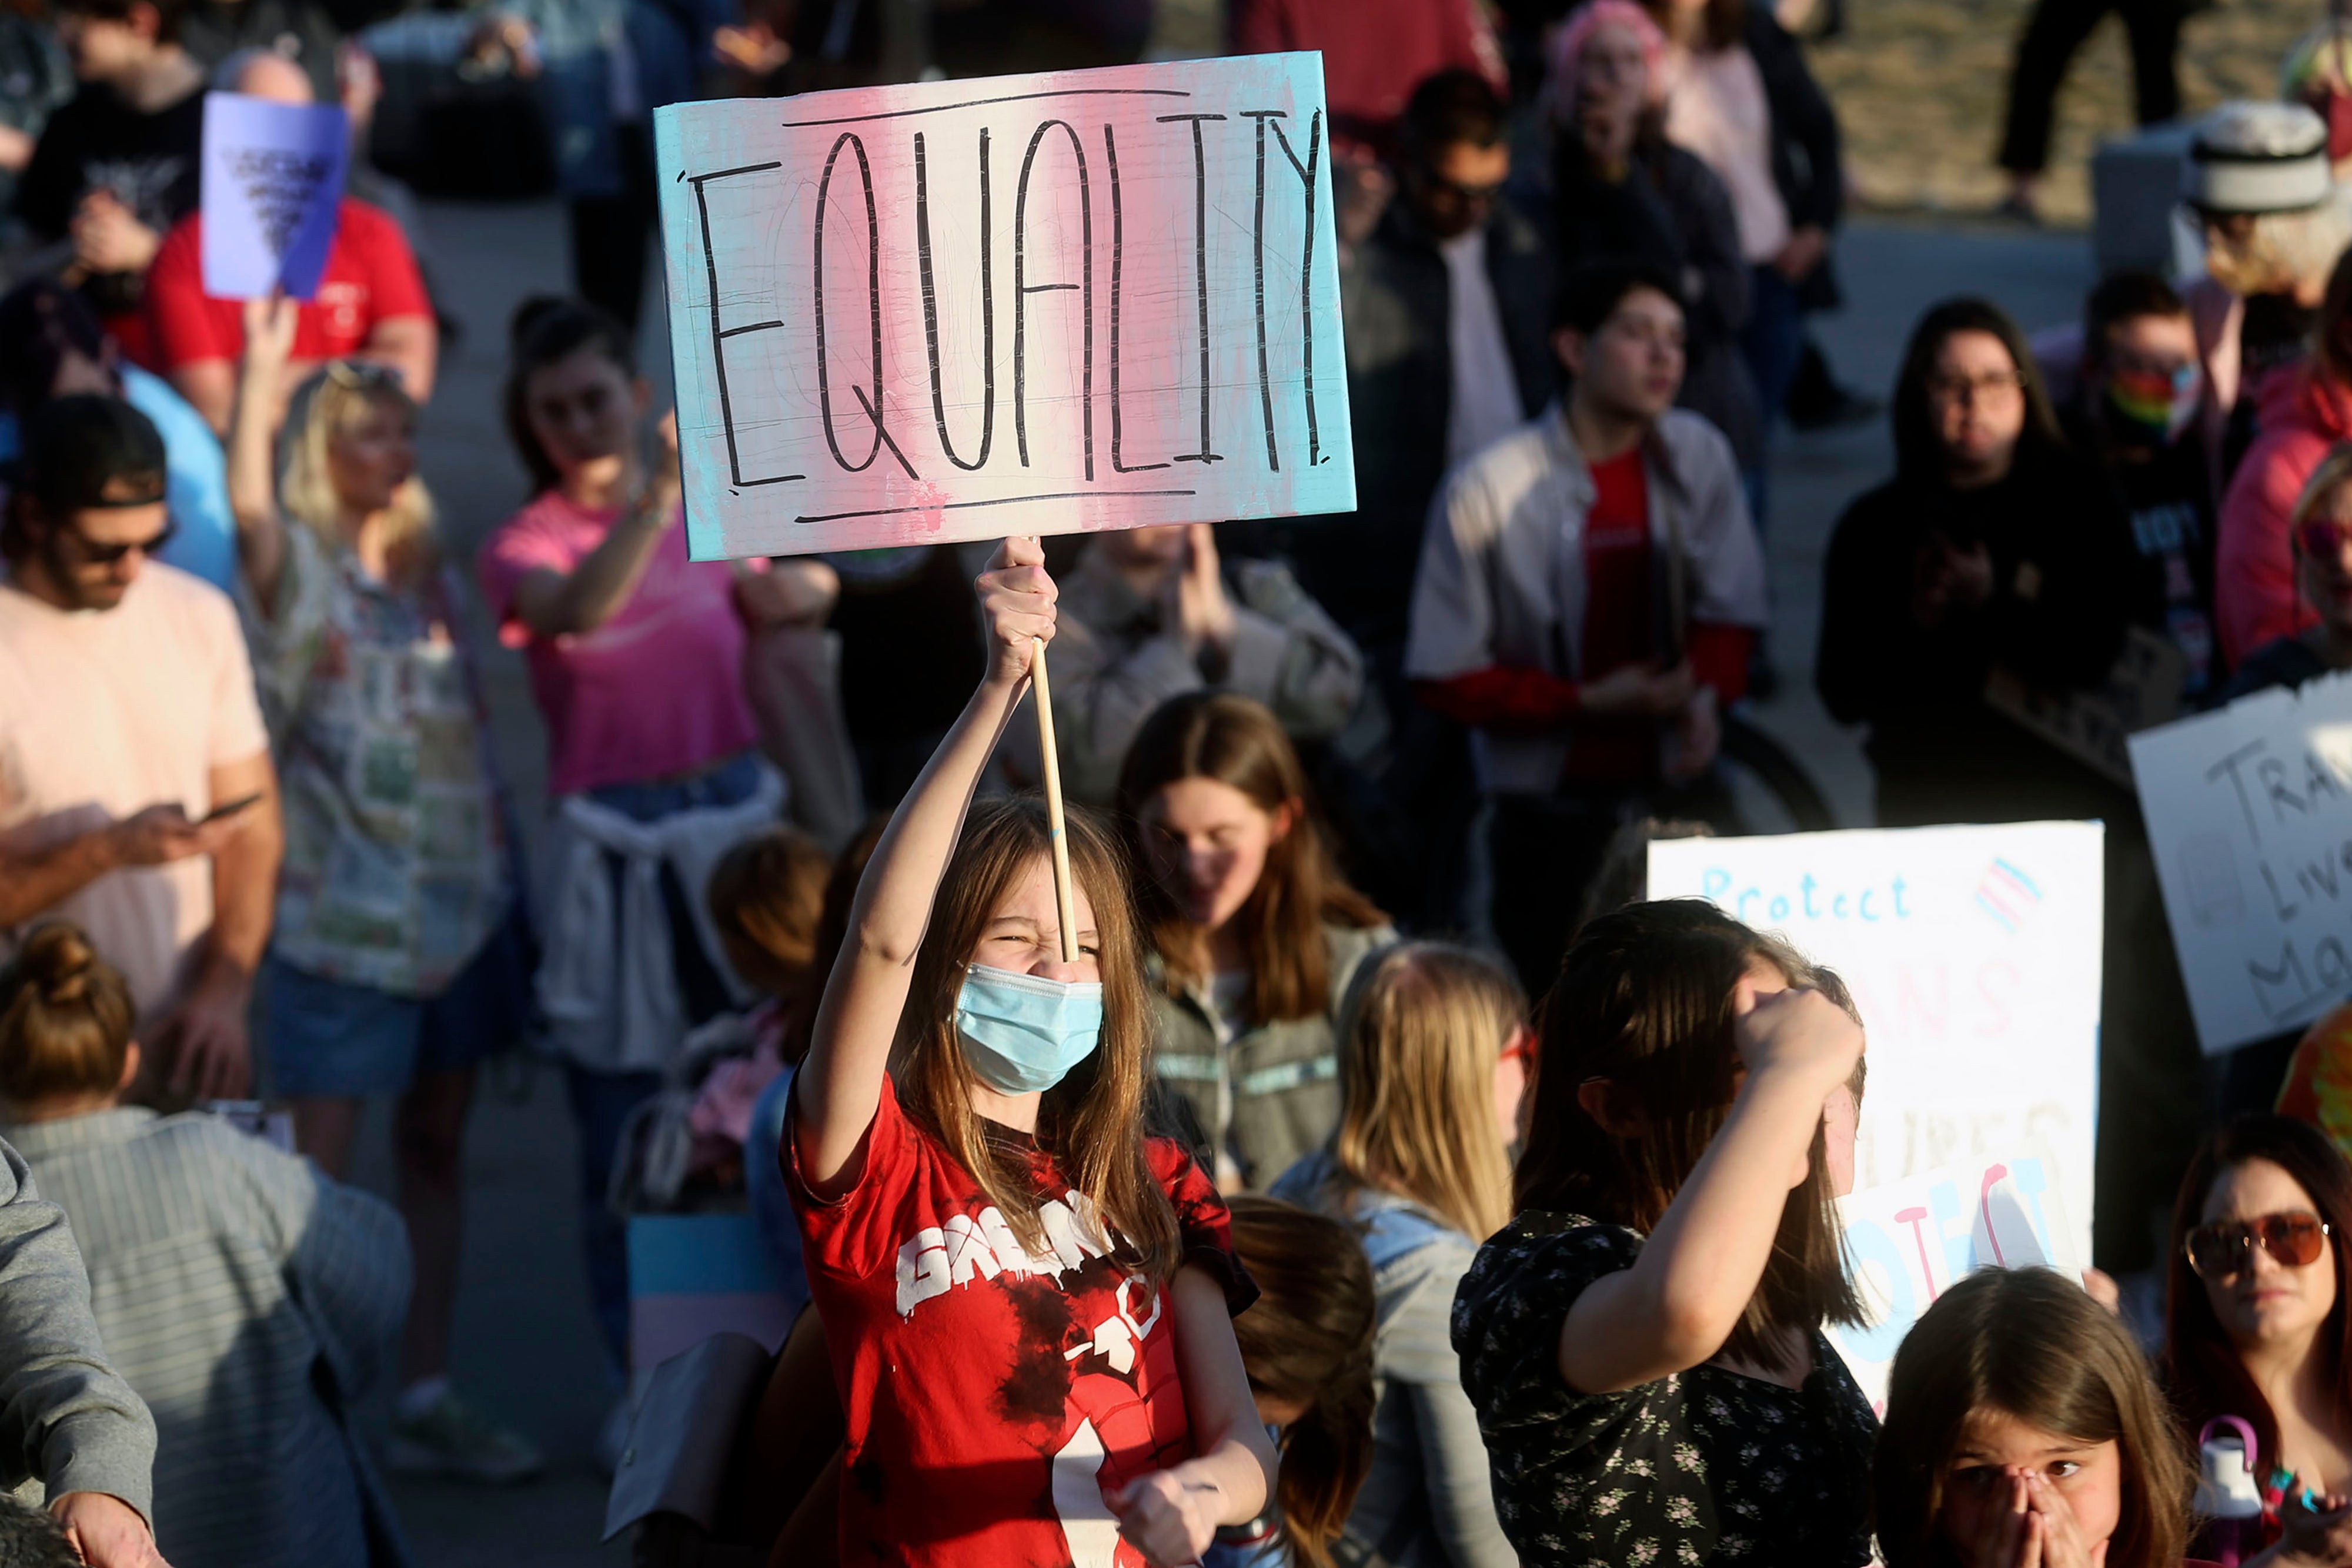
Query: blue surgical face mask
{"type": "Point", "coordinates": [1022, 1034]}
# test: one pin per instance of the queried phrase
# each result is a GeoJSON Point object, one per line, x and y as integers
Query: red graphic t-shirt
{"type": "Point", "coordinates": [1620, 605]}
{"type": "Point", "coordinates": [993, 1395]}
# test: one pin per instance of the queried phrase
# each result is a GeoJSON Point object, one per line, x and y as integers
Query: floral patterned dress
{"type": "Point", "coordinates": [1704, 1467]}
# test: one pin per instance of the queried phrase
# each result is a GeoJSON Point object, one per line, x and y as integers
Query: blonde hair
{"type": "Point", "coordinates": [331, 402]}
{"type": "Point", "coordinates": [1092, 1120]}
{"type": "Point", "coordinates": [1421, 1032]}
{"type": "Point", "coordinates": [65, 1018]}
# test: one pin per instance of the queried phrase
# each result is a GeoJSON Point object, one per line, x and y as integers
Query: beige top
{"type": "Point", "coordinates": [1715, 107]}
{"type": "Point", "coordinates": [104, 713]}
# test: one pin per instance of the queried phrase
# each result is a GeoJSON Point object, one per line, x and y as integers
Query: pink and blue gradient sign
{"type": "Point", "coordinates": [1038, 304]}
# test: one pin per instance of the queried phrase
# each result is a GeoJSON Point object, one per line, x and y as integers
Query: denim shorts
{"type": "Point", "coordinates": [329, 1039]}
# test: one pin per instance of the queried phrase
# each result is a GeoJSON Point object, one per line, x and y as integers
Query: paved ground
{"type": "Point", "coordinates": [525, 1344]}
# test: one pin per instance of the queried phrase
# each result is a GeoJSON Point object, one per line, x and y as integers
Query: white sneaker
{"type": "Point", "coordinates": [451, 1441]}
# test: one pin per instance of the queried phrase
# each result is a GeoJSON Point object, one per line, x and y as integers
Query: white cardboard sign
{"type": "Point", "coordinates": [1973, 954]}
{"type": "Point", "coordinates": [2250, 816]}
{"type": "Point", "coordinates": [1036, 303]}
{"type": "Point", "coordinates": [1908, 1242]}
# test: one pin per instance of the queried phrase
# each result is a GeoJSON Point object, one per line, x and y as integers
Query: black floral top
{"type": "Point", "coordinates": [1704, 1467]}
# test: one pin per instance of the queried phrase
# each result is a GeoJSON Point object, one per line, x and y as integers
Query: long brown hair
{"type": "Point", "coordinates": [1092, 1120]}
{"type": "Point", "coordinates": [1644, 1000]}
{"type": "Point", "coordinates": [1307, 1341]}
{"type": "Point", "coordinates": [2202, 1369]}
{"type": "Point", "coordinates": [1236, 741]}
{"type": "Point", "coordinates": [66, 1017]}
{"type": "Point", "coordinates": [2031, 1345]}
{"type": "Point", "coordinates": [1420, 1032]}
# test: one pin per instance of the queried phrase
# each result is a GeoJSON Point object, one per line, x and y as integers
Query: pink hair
{"type": "Point", "coordinates": [1568, 44]}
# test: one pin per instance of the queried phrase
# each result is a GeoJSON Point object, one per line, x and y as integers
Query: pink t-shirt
{"type": "Point", "coordinates": [104, 713]}
{"type": "Point", "coordinates": [656, 691]}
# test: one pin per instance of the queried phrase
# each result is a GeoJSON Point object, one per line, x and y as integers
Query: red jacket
{"type": "Point", "coordinates": [2302, 415]}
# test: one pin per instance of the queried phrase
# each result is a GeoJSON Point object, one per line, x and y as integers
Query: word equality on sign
{"type": "Point", "coordinates": [273, 182]}
{"type": "Point", "coordinates": [1973, 957]}
{"type": "Point", "coordinates": [1037, 304]}
{"type": "Point", "coordinates": [1909, 1241]}
{"type": "Point", "coordinates": [2249, 818]}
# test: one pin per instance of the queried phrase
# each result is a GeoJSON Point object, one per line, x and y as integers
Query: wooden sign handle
{"type": "Point", "coordinates": [1065, 917]}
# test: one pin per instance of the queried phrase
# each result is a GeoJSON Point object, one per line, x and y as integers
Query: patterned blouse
{"type": "Point", "coordinates": [1704, 1467]}
{"type": "Point", "coordinates": [396, 870]}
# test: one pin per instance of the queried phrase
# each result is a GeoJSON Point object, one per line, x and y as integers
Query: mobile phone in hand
{"type": "Point", "coordinates": [231, 808]}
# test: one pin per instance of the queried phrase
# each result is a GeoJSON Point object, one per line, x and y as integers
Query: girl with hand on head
{"type": "Point", "coordinates": [1028, 1302]}
{"type": "Point", "coordinates": [2256, 1323]}
{"type": "Point", "coordinates": [2023, 1431]}
{"type": "Point", "coordinates": [1643, 1343]}
{"type": "Point", "coordinates": [1254, 930]}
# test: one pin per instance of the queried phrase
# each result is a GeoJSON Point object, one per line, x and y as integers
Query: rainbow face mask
{"type": "Point", "coordinates": [2153, 404]}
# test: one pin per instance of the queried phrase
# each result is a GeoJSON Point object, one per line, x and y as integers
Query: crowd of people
{"type": "Point", "coordinates": [1367, 1175]}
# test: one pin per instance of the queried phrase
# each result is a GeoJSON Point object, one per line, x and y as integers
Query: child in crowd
{"type": "Point", "coordinates": [1432, 1074]}
{"type": "Point", "coordinates": [1255, 930]}
{"type": "Point", "coordinates": [1643, 1343]}
{"type": "Point", "coordinates": [1027, 1302]}
{"type": "Point", "coordinates": [390, 804]}
{"type": "Point", "coordinates": [2023, 1431]}
{"type": "Point", "coordinates": [1308, 1345]}
{"type": "Point", "coordinates": [251, 1301]}
{"type": "Point", "coordinates": [636, 661]}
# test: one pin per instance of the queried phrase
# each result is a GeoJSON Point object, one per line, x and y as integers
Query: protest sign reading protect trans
{"type": "Point", "coordinates": [1037, 304]}
{"type": "Point", "coordinates": [1973, 954]}
{"type": "Point", "coordinates": [1909, 1240]}
{"type": "Point", "coordinates": [2249, 818]}
{"type": "Point", "coordinates": [273, 182]}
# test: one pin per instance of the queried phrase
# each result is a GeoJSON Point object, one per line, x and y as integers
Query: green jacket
{"type": "Point", "coordinates": [1270, 1093]}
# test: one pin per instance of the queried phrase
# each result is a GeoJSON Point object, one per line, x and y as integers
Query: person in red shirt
{"type": "Point", "coordinates": [1028, 1303]}
{"type": "Point", "coordinates": [1590, 591]}
{"type": "Point", "coordinates": [371, 303]}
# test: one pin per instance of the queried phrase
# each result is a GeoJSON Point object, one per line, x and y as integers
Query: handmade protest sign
{"type": "Point", "coordinates": [273, 180]}
{"type": "Point", "coordinates": [1973, 954]}
{"type": "Point", "coordinates": [1037, 304]}
{"type": "Point", "coordinates": [1908, 1242]}
{"type": "Point", "coordinates": [2249, 818]}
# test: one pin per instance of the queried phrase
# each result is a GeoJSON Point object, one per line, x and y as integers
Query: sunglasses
{"type": "Point", "coordinates": [97, 554]}
{"type": "Point", "coordinates": [2226, 1247]}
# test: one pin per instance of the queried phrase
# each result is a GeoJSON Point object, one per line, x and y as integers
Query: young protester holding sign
{"type": "Point", "coordinates": [1643, 1342]}
{"type": "Point", "coordinates": [637, 659]}
{"type": "Point", "coordinates": [1028, 1303]}
{"type": "Point", "coordinates": [2023, 1431]}
{"type": "Point", "coordinates": [397, 963]}
{"type": "Point", "coordinates": [1255, 931]}
{"type": "Point", "coordinates": [2257, 1321]}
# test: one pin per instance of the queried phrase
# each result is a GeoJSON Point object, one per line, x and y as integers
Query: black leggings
{"type": "Point", "coordinates": [2046, 48]}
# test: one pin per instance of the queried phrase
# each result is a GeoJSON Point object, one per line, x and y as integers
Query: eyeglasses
{"type": "Point", "coordinates": [1438, 184]}
{"type": "Point", "coordinates": [1522, 1048]}
{"type": "Point", "coordinates": [2226, 1247]}
{"type": "Point", "coordinates": [1977, 388]}
{"type": "Point", "coordinates": [357, 374]}
{"type": "Point", "coordinates": [97, 554]}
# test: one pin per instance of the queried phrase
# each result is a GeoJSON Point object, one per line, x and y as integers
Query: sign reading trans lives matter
{"type": "Point", "coordinates": [1036, 303]}
{"type": "Point", "coordinates": [2250, 819]}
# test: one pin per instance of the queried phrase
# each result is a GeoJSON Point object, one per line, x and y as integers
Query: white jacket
{"type": "Point", "coordinates": [1502, 565]}
{"type": "Point", "coordinates": [607, 978]}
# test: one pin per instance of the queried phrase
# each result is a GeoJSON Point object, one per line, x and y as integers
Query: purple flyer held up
{"type": "Point", "coordinates": [273, 180]}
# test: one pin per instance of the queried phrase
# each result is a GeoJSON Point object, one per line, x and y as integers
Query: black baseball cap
{"type": "Point", "coordinates": [88, 451]}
